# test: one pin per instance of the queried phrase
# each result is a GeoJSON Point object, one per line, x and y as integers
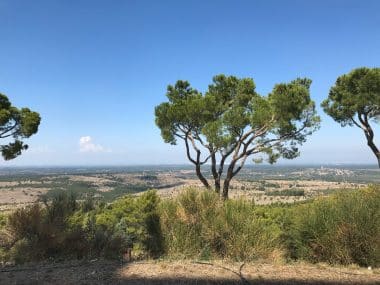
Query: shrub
{"type": "Point", "coordinates": [198, 224]}
{"type": "Point", "coordinates": [64, 229]}
{"type": "Point", "coordinates": [137, 219]}
{"type": "Point", "coordinates": [152, 240]}
{"type": "Point", "coordinates": [343, 228]}
{"type": "Point", "coordinates": [26, 222]}
{"type": "Point", "coordinates": [40, 232]}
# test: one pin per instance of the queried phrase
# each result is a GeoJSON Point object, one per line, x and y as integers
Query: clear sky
{"type": "Point", "coordinates": [95, 70]}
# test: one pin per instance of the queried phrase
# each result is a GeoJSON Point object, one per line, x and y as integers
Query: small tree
{"type": "Point", "coordinates": [231, 122]}
{"type": "Point", "coordinates": [354, 100]}
{"type": "Point", "coordinates": [15, 125]}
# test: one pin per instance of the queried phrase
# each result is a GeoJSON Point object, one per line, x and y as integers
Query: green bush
{"type": "Point", "coordinates": [62, 228]}
{"type": "Point", "coordinates": [136, 219]}
{"type": "Point", "coordinates": [198, 224]}
{"type": "Point", "coordinates": [40, 232]}
{"type": "Point", "coordinates": [343, 228]}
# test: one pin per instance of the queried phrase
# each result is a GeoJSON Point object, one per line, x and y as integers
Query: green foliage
{"type": "Point", "coordinates": [26, 223]}
{"type": "Point", "coordinates": [230, 117]}
{"type": "Point", "coordinates": [200, 225]}
{"type": "Point", "coordinates": [64, 228]}
{"type": "Point", "coordinates": [230, 106]}
{"type": "Point", "coordinates": [355, 100]}
{"type": "Point", "coordinates": [61, 205]}
{"type": "Point", "coordinates": [343, 228]}
{"type": "Point", "coordinates": [287, 192]}
{"type": "Point", "coordinates": [42, 229]}
{"type": "Point", "coordinates": [137, 218]}
{"type": "Point", "coordinates": [357, 92]}
{"type": "Point", "coordinates": [84, 190]}
{"type": "Point", "coordinates": [17, 124]}
{"type": "Point", "coordinates": [3, 220]}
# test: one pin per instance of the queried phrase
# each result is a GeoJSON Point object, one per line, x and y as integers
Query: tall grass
{"type": "Point", "coordinates": [200, 225]}
{"type": "Point", "coordinates": [343, 228]}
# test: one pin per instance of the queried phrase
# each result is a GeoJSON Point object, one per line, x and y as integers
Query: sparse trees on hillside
{"type": "Point", "coordinates": [354, 100]}
{"type": "Point", "coordinates": [231, 122]}
{"type": "Point", "coordinates": [15, 125]}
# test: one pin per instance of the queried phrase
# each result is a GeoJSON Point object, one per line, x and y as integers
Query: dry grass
{"type": "Point", "coordinates": [185, 272]}
{"type": "Point", "coordinates": [19, 197]}
{"type": "Point", "coordinates": [251, 192]}
{"type": "Point", "coordinates": [221, 270]}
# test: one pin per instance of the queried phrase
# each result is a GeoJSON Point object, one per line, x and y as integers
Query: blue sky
{"type": "Point", "coordinates": [94, 70]}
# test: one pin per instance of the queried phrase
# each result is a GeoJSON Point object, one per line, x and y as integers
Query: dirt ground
{"type": "Point", "coordinates": [184, 272]}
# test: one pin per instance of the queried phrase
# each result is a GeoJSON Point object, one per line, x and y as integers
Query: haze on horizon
{"type": "Point", "coordinates": [95, 72]}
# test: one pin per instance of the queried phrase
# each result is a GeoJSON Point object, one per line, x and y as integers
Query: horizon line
{"type": "Point", "coordinates": [184, 164]}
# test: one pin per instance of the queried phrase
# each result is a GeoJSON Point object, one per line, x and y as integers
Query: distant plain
{"type": "Point", "coordinates": [263, 184]}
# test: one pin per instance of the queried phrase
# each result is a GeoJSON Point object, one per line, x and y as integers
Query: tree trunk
{"type": "Point", "coordinates": [231, 172]}
{"type": "Point", "coordinates": [226, 186]}
{"type": "Point", "coordinates": [201, 177]}
{"type": "Point", "coordinates": [374, 149]}
{"type": "Point", "coordinates": [369, 134]}
{"type": "Point", "coordinates": [217, 185]}
{"type": "Point", "coordinates": [229, 176]}
{"type": "Point", "coordinates": [215, 173]}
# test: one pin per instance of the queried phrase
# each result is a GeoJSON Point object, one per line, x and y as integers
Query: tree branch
{"type": "Point", "coordinates": [8, 130]}
{"type": "Point", "coordinates": [188, 151]}
{"type": "Point", "coordinates": [356, 124]}
{"type": "Point", "coordinates": [205, 160]}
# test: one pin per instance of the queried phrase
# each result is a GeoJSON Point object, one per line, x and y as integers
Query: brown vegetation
{"type": "Point", "coordinates": [185, 272]}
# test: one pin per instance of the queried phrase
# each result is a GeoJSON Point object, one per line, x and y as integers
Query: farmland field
{"type": "Point", "coordinates": [262, 184]}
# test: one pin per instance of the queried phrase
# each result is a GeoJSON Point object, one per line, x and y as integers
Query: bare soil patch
{"type": "Point", "coordinates": [24, 195]}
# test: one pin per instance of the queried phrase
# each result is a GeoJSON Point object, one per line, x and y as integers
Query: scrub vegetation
{"type": "Point", "coordinates": [343, 228]}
